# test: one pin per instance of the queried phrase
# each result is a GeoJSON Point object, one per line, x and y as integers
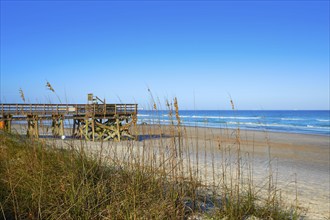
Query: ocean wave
{"type": "Point", "coordinates": [323, 120]}
{"type": "Point", "coordinates": [278, 125]}
{"type": "Point", "coordinates": [224, 117]}
{"type": "Point", "coordinates": [173, 115]}
{"type": "Point", "coordinates": [142, 115]}
{"type": "Point", "coordinates": [248, 123]}
{"type": "Point", "coordinates": [292, 119]}
{"type": "Point", "coordinates": [319, 127]}
{"type": "Point", "coordinates": [205, 117]}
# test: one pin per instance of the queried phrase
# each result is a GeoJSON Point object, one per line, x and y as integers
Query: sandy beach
{"type": "Point", "coordinates": [306, 156]}
{"type": "Point", "coordinates": [294, 157]}
{"type": "Point", "coordinates": [299, 162]}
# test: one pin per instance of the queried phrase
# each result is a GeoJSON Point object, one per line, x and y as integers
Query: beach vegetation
{"type": "Point", "coordinates": [164, 174]}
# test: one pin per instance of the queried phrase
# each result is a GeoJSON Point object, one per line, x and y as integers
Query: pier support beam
{"type": "Point", "coordinates": [115, 128]}
{"type": "Point", "coordinates": [57, 125]}
{"type": "Point", "coordinates": [33, 126]}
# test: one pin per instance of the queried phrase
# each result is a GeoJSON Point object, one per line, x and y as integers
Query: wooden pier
{"type": "Point", "coordinates": [91, 121]}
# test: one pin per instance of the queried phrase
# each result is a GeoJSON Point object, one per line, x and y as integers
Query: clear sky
{"type": "Point", "coordinates": [264, 54]}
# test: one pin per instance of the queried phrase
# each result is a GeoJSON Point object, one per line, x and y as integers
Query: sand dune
{"type": "Point", "coordinates": [300, 162]}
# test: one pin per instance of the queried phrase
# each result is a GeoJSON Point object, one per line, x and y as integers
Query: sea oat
{"type": "Point", "coordinates": [22, 94]}
{"type": "Point", "coordinates": [49, 86]}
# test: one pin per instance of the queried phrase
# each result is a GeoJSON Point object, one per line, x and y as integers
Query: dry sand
{"type": "Point", "coordinates": [294, 157]}
{"type": "Point", "coordinates": [300, 162]}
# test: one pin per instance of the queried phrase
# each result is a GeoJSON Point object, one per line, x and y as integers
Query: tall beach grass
{"type": "Point", "coordinates": [166, 173]}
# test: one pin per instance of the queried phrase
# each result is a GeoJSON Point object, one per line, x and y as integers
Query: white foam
{"type": "Point", "coordinates": [223, 117]}
{"type": "Point", "coordinates": [292, 119]}
{"type": "Point", "coordinates": [323, 120]}
{"type": "Point", "coordinates": [277, 125]}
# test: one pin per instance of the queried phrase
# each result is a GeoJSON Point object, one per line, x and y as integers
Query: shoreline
{"type": "Point", "coordinates": [212, 127]}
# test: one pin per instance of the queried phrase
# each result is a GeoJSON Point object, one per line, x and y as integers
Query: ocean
{"type": "Point", "coordinates": [303, 122]}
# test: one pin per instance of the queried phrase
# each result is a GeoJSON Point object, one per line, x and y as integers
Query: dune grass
{"type": "Point", "coordinates": [46, 183]}
{"type": "Point", "coordinates": [165, 178]}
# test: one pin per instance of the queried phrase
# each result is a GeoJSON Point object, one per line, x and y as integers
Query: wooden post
{"type": "Point", "coordinates": [36, 121]}
{"type": "Point", "coordinates": [29, 130]}
{"type": "Point", "coordinates": [33, 126]}
{"type": "Point", "coordinates": [57, 125]}
{"type": "Point", "coordinates": [7, 123]}
{"type": "Point", "coordinates": [134, 121]}
{"type": "Point", "coordinates": [61, 125]}
{"type": "Point", "coordinates": [118, 128]}
{"type": "Point", "coordinates": [93, 130]}
{"type": "Point", "coordinates": [86, 128]}
{"type": "Point", "coordinates": [73, 126]}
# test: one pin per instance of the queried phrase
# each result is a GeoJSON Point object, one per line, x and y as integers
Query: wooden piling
{"type": "Point", "coordinates": [33, 126]}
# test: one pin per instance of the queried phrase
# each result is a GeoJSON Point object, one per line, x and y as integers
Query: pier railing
{"type": "Point", "coordinates": [67, 109]}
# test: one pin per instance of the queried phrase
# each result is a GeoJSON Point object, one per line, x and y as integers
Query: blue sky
{"type": "Point", "coordinates": [264, 54]}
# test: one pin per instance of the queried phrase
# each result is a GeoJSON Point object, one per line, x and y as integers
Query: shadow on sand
{"type": "Point", "coordinates": [139, 137]}
{"type": "Point", "coordinates": [151, 136]}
